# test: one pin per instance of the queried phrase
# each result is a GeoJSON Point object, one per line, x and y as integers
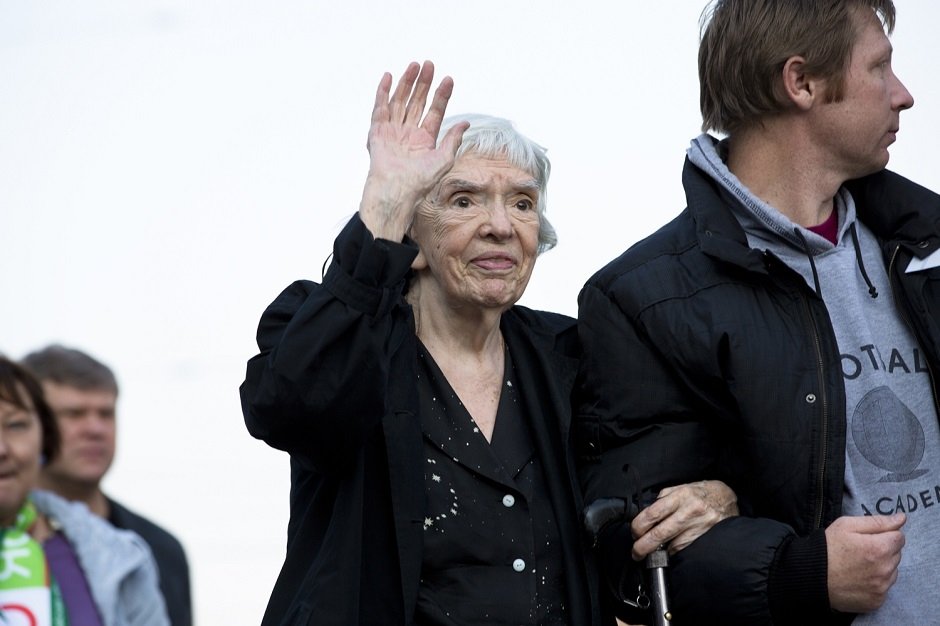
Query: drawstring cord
{"type": "Point", "coordinates": [861, 266]}
{"type": "Point", "coordinates": [812, 263]}
{"type": "Point", "coordinates": [872, 291]}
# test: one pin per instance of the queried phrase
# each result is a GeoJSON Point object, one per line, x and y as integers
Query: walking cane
{"type": "Point", "coordinates": [605, 511]}
{"type": "Point", "coordinates": [656, 563]}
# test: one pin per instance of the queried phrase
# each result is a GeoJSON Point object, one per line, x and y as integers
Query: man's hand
{"type": "Point", "coordinates": [405, 160]}
{"type": "Point", "coordinates": [680, 515]}
{"type": "Point", "coordinates": [864, 553]}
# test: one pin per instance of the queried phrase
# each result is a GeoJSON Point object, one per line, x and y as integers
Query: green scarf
{"type": "Point", "coordinates": [28, 592]}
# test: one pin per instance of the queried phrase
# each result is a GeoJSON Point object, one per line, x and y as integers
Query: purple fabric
{"type": "Point", "coordinates": [68, 573]}
{"type": "Point", "coordinates": [829, 228]}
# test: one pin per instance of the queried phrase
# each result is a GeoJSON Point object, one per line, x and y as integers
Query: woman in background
{"type": "Point", "coordinates": [60, 563]}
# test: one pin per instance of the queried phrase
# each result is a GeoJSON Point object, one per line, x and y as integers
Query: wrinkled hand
{"type": "Point", "coordinates": [405, 160]}
{"type": "Point", "coordinates": [864, 553]}
{"type": "Point", "coordinates": [680, 515]}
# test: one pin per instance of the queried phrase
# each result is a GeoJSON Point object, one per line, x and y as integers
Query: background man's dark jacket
{"type": "Point", "coordinates": [170, 558]}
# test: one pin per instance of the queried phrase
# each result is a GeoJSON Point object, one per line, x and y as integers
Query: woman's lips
{"type": "Point", "coordinates": [495, 262]}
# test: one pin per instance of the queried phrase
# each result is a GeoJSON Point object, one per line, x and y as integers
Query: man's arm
{"type": "Point", "coordinates": [641, 427]}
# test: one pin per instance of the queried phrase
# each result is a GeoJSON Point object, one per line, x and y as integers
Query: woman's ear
{"type": "Point", "coordinates": [420, 263]}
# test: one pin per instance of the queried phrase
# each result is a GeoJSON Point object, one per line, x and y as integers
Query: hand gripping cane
{"type": "Point", "coordinates": [605, 511]}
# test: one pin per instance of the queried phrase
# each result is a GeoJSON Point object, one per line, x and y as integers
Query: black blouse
{"type": "Point", "coordinates": [492, 553]}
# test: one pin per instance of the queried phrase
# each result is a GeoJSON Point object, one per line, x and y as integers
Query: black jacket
{"type": "Point", "coordinates": [704, 358]}
{"type": "Point", "coordinates": [334, 385]}
{"type": "Point", "coordinates": [170, 557]}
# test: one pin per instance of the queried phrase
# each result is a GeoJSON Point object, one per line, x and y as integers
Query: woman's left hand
{"type": "Point", "coordinates": [680, 515]}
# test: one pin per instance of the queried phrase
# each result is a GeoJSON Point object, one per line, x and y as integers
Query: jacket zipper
{"type": "Point", "coordinates": [822, 387]}
{"type": "Point", "coordinates": [824, 438]}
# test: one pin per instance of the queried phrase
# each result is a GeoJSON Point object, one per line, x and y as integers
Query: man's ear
{"type": "Point", "coordinates": [799, 88]}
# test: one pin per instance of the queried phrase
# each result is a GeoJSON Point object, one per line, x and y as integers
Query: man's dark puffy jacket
{"type": "Point", "coordinates": [705, 359]}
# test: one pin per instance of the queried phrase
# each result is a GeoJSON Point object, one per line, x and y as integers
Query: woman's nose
{"type": "Point", "coordinates": [498, 223]}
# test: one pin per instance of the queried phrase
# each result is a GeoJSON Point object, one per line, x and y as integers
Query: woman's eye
{"type": "Point", "coordinates": [524, 205]}
{"type": "Point", "coordinates": [463, 203]}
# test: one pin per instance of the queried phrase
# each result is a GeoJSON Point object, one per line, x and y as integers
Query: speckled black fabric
{"type": "Point", "coordinates": [492, 547]}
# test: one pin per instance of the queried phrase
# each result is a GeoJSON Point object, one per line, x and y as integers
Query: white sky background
{"type": "Point", "coordinates": [167, 167]}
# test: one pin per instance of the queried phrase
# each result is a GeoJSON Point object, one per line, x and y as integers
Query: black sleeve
{"type": "Point", "coordinates": [318, 384]}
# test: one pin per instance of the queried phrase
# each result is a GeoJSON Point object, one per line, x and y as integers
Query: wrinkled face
{"type": "Point", "coordinates": [859, 128]}
{"type": "Point", "coordinates": [478, 234]}
{"type": "Point", "coordinates": [87, 429]}
{"type": "Point", "coordinates": [20, 452]}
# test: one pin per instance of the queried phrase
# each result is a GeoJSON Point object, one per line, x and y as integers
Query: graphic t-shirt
{"type": "Point", "coordinates": [892, 439]}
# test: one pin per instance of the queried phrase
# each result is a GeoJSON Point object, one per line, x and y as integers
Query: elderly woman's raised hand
{"type": "Point", "coordinates": [405, 159]}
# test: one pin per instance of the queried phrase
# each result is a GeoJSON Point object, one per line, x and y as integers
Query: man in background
{"type": "Point", "coordinates": [82, 393]}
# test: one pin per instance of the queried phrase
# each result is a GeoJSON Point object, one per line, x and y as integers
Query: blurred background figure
{"type": "Point", "coordinates": [82, 393]}
{"type": "Point", "coordinates": [60, 563]}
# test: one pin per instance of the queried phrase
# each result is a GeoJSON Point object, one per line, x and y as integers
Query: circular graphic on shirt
{"type": "Point", "coordinates": [889, 435]}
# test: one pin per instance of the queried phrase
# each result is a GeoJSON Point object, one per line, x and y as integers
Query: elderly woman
{"type": "Point", "coordinates": [427, 415]}
{"type": "Point", "coordinates": [61, 564]}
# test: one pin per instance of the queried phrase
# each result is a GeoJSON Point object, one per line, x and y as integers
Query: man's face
{"type": "Point", "coordinates": [858, 129]}
{"type": "Point", "coordinates": [87, 426]}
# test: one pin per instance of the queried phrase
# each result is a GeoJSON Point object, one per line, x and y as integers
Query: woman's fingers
{"type": "Point", "coordinates": [406, 105]}
{"type": "Point", "coordinates": [415, 109]}
{"type": "Point", "coordinates": [435, 115]}
{"type": "Point", "coordinates": [380, 107]}
{"type": "Point", "coordinates": [398, 104]}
